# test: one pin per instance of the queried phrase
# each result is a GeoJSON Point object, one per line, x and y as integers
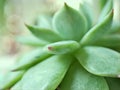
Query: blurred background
{"type": "Point", "coordinates": [14, 14]}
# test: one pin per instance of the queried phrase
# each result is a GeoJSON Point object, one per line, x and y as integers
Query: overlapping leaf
{"type": "Point", "coordinates": [79, 79]}
{"type": "Point", "coordinates": [44, 34]}
{"type": "Point", "coordinates": [69, 23]}
{"type": "Point", "coordinates": [87, 12]}
{"type": "Point", "coordinates": [62, 47]}
{"type": "Point", "coordinates": [107, 8]}
{"type": "Point", "coordinates": [100, 61]}
{"type": "Point", "coordinates": [98, 30]}
{"type": "Point", "coordinates": [31, 59]}
{"type": "Point", "coordinates": [111, 41]}
{"type": "Point", "coordinates": [48, 74]}
{"type": "Point", "coordinates": [17, 86]}
{"type": "Point", "coordinates": [10, 79]}
{"type": "Point", "coordinates": [31, 41]}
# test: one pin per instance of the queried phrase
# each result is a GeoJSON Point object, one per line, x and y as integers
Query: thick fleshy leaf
{"type": "Point", "coordinates": [69, 23]}
{"type": "Point", "coordinates": [10, 79]}
{"type": "Point", "coordinates": [48, 74]}
{"type": "Point", "coordinates": [107, 8]}
{"type": "Point", "coordinates": [102, 3]}
{"type": "Point", "coordinates": [87, 12]}
{"type": "Point", "coordinates": [17, 86]}
{"type": "Point", "coordinates": [30, 40]}
{"type": "Point", "coordinates": [44, 34]}
{"type": "Point", "coordinates": [78, 78]}
{"type": "Point", "coordinates": [110, 41]}
{"type": "Point", "coordinates": [98, 30]}
{"type": "Point", "coordinates": [113, 83]}
{"type": "Point", "coordinates": [100, 61]}
{"type": "Point", "coordinates": [44, 21]}
{"type": "Point", "coordinates": [30, 59]}
{"type": "Point", "coordinates": [62, 47]}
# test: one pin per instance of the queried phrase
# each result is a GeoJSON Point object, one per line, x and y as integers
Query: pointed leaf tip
{"type": "Point", "coordinates": [69, 23]}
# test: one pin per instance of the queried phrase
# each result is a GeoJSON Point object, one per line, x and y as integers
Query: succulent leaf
{"type": "Point", "coordinates": [69, 23]}
{"type": "Point", "coordinates": [110, 41]}
{"type": "Point", "coordinates": [10, 79]}
{"type": "Point", "coordinates": [44, 34]}
{"type": "Point", "coordinates": [100, 61]}
{"type": "Point", "coordinates": [98, 31]}
{"type": "Point", "coordinates": [87, 12]}
{"type": "Point", "coordinates": [30, 40]}
{"type": "Point", "coordinates": [62, 47]}
{"type": "Point", "coordinates": [47, 74]}
{"type": "Point", "coordinates": [77, 78]}
{"type": "Point", "coordinates": [44, 21]}
{"type": "Point", "coordinates": [107, 8]}
{"type": "Point", "coordinates": [17, 86]}
{"type": "Point", "coordinates": [31, 59]}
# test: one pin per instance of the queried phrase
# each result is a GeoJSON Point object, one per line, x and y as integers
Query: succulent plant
{"type": "Point", "coordinates": [74, 55]}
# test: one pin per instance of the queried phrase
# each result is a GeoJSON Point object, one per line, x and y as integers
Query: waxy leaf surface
{"type": "Point", "coordinates": [30, 59]}
{"type": "Point", "coordinates": [10, 79]}
{"type": "Point", "coordinates": [44, 34]}
{"type": "Point", "coordinates": [48, 74]}
{"type": "Point", "coordinates": [98, 31]}
{"type": "Point", "coordinates": [100, 61]}
{"type": "Point", "coordinates": [69, 23]}
{"type": "Point", "coordinates": [77, 78]}
{"type": "Point", "coordinates": [62, 47]}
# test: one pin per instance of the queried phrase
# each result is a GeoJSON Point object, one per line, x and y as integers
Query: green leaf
{"type": "Point", "coordinates": [87, 12]}
{"type": "Point", "coordinates": [44, 34]}
{"type": "Point", "coordinates": [62, 47]}
{"type": "Point", "coordinates": [107, 8]}
{"type": "Point", "coordinates": [69, 23]}
{"type": "Point", "coordinates": [112, 40]}
{"type": "Point", "coordinates": [44, 21]}
{"type": "Point", "coordinates": [17, 86]}
{"type": "Point", "coordinates": [100, 61]}
{"type": "Point", "coordinates": [30, 59]}
{"type": "Point", "coordinates": [30, 40]}
{"type": "Point", "coordinates": [78, 78]}
{"type": "Point", "coordinates": [114, 83]}
{"type": "Point", "coordinates": [98, 30]}
{"type": "Point", "coordinates": [48, 74]}
{"type": "Point", "coordinates": [10, 79]}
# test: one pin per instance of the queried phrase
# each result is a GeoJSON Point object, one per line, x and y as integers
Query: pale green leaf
{"type": "Point", "coordinates": [10, 79]}
{"type": "Point", "coordinates": [98, 31]}
{"type": "Point", "coordinates": [30, 59]}
{"type": "Point", "coordinates": [30, 40]}
{"type": "Point", "coordinates": [44, 21]}
{"type": "Point", "coordinates": [87, 12]}
{"type": "Point", "coordinates": [69, 23]}
{"type": "Point", "coordinates": [62, 47]}
{"type": "Point", "coordinates": [78, 78]}
{"type": "Point", "coordinates": [102, 3]}
{"type": "Point", "coordinates": [48, 74]}
{"type": "Point", "coordinates": [112, 40]}
{"type": "Point", "coordinates": [44, 34]}
{"type": "Point", "coordinates": [17, 86]}
{"type": "Point", "coordinates": [107, 8]}
{"type": "Point", "coordinates": [100, 61]}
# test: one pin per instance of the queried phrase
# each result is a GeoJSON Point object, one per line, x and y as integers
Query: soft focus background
{"type": "Point", "coordinates": [14, 14]}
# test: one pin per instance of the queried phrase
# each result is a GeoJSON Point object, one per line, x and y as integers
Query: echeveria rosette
{"type": "Point", "coordinates": [74, 57]}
